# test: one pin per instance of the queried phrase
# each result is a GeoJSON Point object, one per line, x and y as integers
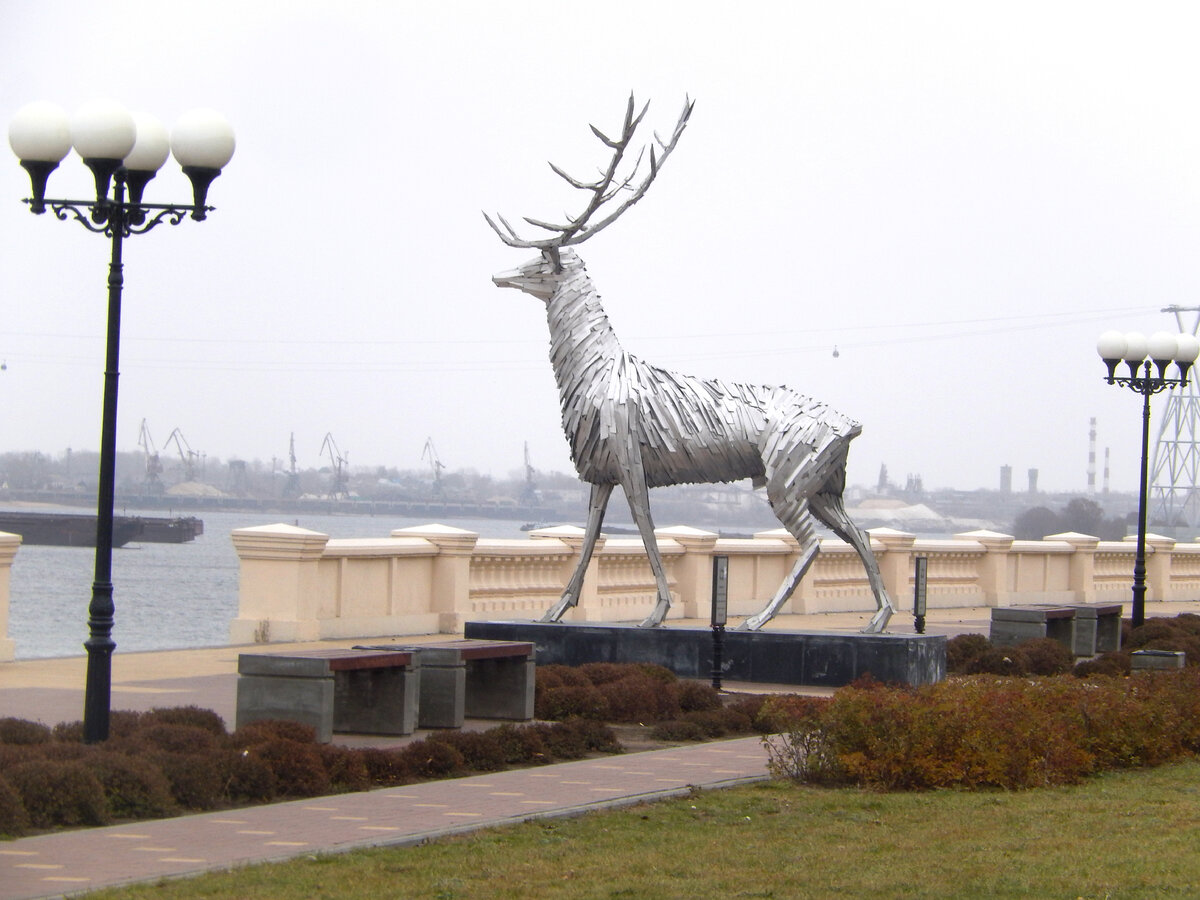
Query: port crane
{"type": "Point", "coordinates": [291, 487]}
{"type": "Point", "coordinates": [529, 494]}
{"type": "Point", "coordinates": [430, 453]}
{"type": "Point", "coordinates": [187, 456]}
{"type": "Point", "coordinates": [339, 487]}
{"type": "Point", "coordinates": [154, 466]}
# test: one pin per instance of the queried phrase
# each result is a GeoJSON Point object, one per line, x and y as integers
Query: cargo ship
{"type": "Point", "coordinates": [74, 530]}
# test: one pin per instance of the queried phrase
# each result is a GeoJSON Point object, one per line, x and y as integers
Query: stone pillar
{"type": "Point", "coordinates": [693, 572]}
{"type": "Point", "coordinates": [8, 549]}
{"type": "Point", "coordinates": [278, 587]}
{"type": "Point", "coordinates": [451, 598]}
{"type": "Point", "coordinates": [1082, 574]}
{"type": "Point", "coordinates": [895, 562]}
{"type": "Point", "coordinates": [993, 568]}
{"type": "Point", "coordinates": [589, 594]}
{"type": "Point", "coordinates": [1159, 550]}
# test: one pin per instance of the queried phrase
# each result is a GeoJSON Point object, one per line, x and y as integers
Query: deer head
{"type": "Point", "coordinates": [610, 196]}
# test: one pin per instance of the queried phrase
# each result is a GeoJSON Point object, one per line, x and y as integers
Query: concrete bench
{"type": "Point", "coordinates": [1015, 624]}
{"type": "Point", "coordinates": [1152, 660]}
{"type": "Point", "coordinates": [1097, 628]}
{"type": "Point", "coordinates": [357, 691]}
{"type": "Point", "coordinates": [475, 679]}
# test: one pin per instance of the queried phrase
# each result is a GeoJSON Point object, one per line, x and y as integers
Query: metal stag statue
{"type": "Point", "coordinates": [639, 426]}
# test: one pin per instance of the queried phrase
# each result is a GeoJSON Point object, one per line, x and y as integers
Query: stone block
{"type": "Point", "coordinates": [1151, 660]}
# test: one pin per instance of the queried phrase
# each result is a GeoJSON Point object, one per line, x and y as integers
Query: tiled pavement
{"type": "Point", "coordinates": [78, 861]}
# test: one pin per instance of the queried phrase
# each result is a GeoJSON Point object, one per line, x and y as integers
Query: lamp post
{"type": "Point", "coordinates": [124, 151]}
{"type": "Point", "coordinates": [1147, 360]}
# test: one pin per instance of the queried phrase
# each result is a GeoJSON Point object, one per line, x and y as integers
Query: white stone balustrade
{"type": "Point", "coordinates": [8, 549]}
{"type": "Point", "coordinates": [301, 585]}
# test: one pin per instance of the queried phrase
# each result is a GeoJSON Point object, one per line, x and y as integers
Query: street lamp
{"type": "Point", "coordinates": [123, 151]}
{"type": "Point", "coordinates": [1147, 360]}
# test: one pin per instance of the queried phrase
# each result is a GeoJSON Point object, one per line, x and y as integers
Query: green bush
{"type": "Point", "coordinates": [14, 820]}
{"type": "Point", "coordinates": [59, 793]}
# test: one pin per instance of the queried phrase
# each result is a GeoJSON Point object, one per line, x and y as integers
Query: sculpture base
{"type": "Point", "coordinates": [814, 658]}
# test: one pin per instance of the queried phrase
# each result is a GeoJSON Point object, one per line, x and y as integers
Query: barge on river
{"type": "Point", "coordinates": [75, 530]}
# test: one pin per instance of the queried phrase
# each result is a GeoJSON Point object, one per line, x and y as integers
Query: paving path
{"type": "Point", "coordinates": [77, 861]}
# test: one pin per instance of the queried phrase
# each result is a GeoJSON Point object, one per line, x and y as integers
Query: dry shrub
{"type": "Point", "coordinates": [997, 661]}
{"type": "Point", "coordinates": [248, 778]}
{"type": "Point", "coordinates": [265, 730]}
{"type": "Point", "coordinates": [346, 768]}
{"type": "Point", "coordinates": [1113, 664]}
{"type": "Point", "coordinates": [134, 789]}
{"type": "Point", "coordinates": [679, 730]}
{"type": "Point", "coordinates": [961, 651]}
{"type": "Point", "coordinates": [715, 723]}
{"type": "Point", "coordinates": [186, 715]}
{"type": "Point", "coordinates": [59, 793]}
{"type": "Point", "coordinates": [22, 731]}
{"type": "Point", "coordinates": [14, 820]}
{"type": "Point", "coordinates": [480, 750]}
{"type": "Point", "coordinates": [433, 759]}
{"type": "Point", "coordinates": [14, 754]}
{"type": "Point", "coordinates": [749, 705]}
{"type": "Point", "coordinates": [521, 745]}
{"type": "Point", "coordinates": [639, 697]}
{"type": "Point", "coordinates": [1046, 656]}
{"type": "Point", "coordinates": [121, 724]}
{"type": "Point", "coordinates": [188, 739]}
{"type": "Point", "coordinates": [570, 700]}
{"type": "Point", "coordinates": [696, 695]}
{"type": "Point", "coordinates": [386, 768]}
{"type": "Point", "coordinates": [783, 712]}
{"type": "Point", "coordinates": [559, 676]}
{"type": "Point", "coordinates": [299, 770]}
{"type": "Point", "coordinates": [599, 673]}
{"type": "Point", "coordinates": [197, 779]}
{"type": "Point", "coordinates": [593, 736]}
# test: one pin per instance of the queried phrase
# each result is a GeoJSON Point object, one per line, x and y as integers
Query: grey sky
{"type": "Point", "coordinates": [959, 196]}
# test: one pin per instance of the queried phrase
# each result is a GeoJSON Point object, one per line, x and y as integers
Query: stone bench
{"type": "Point", "coordinates": [357, 691]}
{"type": "Point", "coordinates": [1085, 628]}
{"type": "Point", "coordinates": [473, 679]}
{"type": "Point", "coordinates": [1152, 660]}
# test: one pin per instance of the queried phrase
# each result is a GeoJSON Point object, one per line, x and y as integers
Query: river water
{"type": "Point", "coordinates": [167, 596]}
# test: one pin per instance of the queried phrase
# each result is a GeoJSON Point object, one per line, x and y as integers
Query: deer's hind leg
{"type": "Point", "coordinates": [800, 524]}
{"type": "Point", "coordinates": [570, 596]}
{"type": "Point", "coordinates": [829, 508]}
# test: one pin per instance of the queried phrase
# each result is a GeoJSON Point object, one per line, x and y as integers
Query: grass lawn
{"type": "Point", "coordinates": [1131, 834]}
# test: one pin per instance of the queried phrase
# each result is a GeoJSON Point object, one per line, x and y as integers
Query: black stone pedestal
{"type": "Point", "coordinates": [818, 658]}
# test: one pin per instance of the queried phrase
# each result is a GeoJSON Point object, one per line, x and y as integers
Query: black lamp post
{"type": "Point", "coordinates": [123, 152]}
{"type": "Point", "coordinates": [1147, 360]}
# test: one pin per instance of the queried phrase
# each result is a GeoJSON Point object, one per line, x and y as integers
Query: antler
{"type": "Point", "coordinates": [605, 188]}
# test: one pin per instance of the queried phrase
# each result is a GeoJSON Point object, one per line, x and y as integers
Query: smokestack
{"type": "Point", "coordinates": [1091, 469]}
{"type": "Point", "coordinates": [1033, 473]}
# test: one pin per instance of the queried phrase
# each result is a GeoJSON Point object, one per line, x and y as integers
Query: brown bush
{"type": "Point", "coordinates": [299, 770]}
{"type": "Point", "coordinates": [134, 789]}
{"type": "Point", "coordinates": [433, 759]}
{"type": "Point", "coordinates": [197, 779]}
{"type": "Point", "coordinates": [717, 723]}
{"type": "Point", "coordinates": [997, 661]}
{"type": "Point", "coordinates": [521, 744]}
{"type": "Point", "coordinates": [696, 695]}
{"type": "Point", "coordinates": [22, 731]}
{"type": "Point", "coordinates": [480, 750]}
{"type": "Point", "coordinates": [599, 673]}
{"type": "Point", "coordinates": [14, 820]}
{"type": "Point", "coordinates": [248, 778]}
{"type": "Point", "coordinates": [346, 768]}
{"type": "Point", "coordinates": [559, 676]}
{"type": "Point", "coordinates": [386, 768]}
{"type": "Point", "coordinates": [1114, 664]}
{"type": "Point", "coordinates": [678, 730]}
{"type": "Point", "coordinates": [188, 739]}
{"type": "Point", "coordinates": [782, 712]}
{"type": "Point", "coordinates": [266, 730]}
{"type": "Point", "coordinates": [570, 700]}
{"type": "Point", "coordinates": [121, 724]}
{"type": "Point", "coordinates": [1045, 656]}
{"type": "Point", "coordinates": [639, 697]}
{"type": "Point", "coordinates": [961, 651]}
{"type": "Point", "coordinates": [186, 715]}
{"type": "Point", "coordinates": [590, 735]}
{"type": "Point", "coordinates": [59, 793]}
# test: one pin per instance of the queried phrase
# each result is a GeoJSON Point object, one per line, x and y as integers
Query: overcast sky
{"type": "Point", "coordinates": [959, 197]}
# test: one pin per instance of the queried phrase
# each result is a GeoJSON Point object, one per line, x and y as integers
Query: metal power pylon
{"type": "Point", "coordinates": [1175, 475]}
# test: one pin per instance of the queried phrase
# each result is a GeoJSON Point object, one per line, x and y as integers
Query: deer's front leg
{"type": "Point", "coordinates": [638, 495]}
{"type": "Point", "coordinates": [570, 597]}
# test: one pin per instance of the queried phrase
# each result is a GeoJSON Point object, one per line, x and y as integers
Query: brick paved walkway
{"type": "Point", "coordinates": [76, 861]}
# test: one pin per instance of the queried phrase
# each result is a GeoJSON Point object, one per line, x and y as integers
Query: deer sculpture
{"type": "Point", "coordinates": [639, 426]}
